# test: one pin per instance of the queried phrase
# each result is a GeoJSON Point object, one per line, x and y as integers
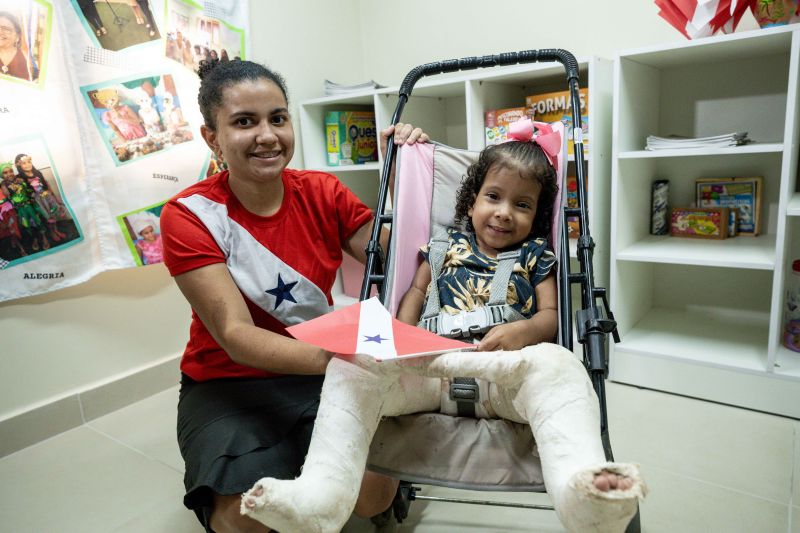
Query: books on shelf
{"type": "Point", "coordinates": [336, 89]}
{"type": "Point", "coordinates": [351, 137]}
{"type": "Point", "coordinates": [741, 195]}
{"type": "Point", "coordinates": [555, 106]}
{"type": "Point", "coordinates": [674, 142]}
{"type": "Point", "coordinates": [496, 123]}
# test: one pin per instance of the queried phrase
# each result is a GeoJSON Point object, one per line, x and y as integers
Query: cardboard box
{"type": "Point", "coordinates": [700, 222]}
{"type": "Point", "coordinates": [496, 123]}
{"type": "Point", "coordinates": [351, 137]}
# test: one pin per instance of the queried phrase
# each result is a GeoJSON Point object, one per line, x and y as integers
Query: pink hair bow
{"type": "Point", "coordinates": [549, 140]}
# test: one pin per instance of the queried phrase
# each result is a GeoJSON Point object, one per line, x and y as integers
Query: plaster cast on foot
{"type": "Point", "coordinates": [543, 385]}
{"type": "Point", "coordinates": [354, 397]}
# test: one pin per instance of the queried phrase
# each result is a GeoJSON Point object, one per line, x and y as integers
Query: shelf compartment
{"type": "Point", "coordinates": [707, 95]}
{"type": "Point", "coordinates": [738, 252]}
{"type": "Point", "coordinates": [698, 338]}
{"type": "Point", "coordinates": [787, 363]}
{"type": "Point", "coordinates": [793, 210]}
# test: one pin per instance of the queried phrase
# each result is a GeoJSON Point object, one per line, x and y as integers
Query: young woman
{"type": "Point", "coordinates": [255, 249]}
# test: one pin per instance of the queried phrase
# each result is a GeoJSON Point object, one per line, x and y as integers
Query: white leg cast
{"type": "Point", "coordinates": [355, 395]}
{"type": "Point", "coordinates": [547, 387]}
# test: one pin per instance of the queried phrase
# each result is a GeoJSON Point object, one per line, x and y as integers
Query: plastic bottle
{"type": "Point", "coordinates": [791, 330]}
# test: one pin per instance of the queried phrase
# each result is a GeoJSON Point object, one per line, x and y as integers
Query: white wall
{"type": "Point", "coordinates": [120, 321]}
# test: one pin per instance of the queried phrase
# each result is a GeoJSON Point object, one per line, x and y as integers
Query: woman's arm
{"type": "Point", "coordinates": [541, 327]}
{"type": "Point", "coordinates": [215, 297]}
{"type": "Point", "coordinates": [410, 307]}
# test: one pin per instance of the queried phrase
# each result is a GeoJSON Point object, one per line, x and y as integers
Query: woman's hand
{"type": "Point", "coordinates": [511, 336]}
{"type": "Point", "coordinates": [403, 134]}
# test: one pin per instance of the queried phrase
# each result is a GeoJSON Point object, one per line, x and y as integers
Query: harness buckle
{"type": "Point", "coordinates": [464, 392]}
{"type": "Point", "coordinates": [469, 323]}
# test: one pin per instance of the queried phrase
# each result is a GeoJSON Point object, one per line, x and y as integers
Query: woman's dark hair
{"type": "Point", "coordinates": [530, 161]}
{"type": "Point", "coordinates": [216, 75]}
{"type": "Point", "coordinates": [11, 18]}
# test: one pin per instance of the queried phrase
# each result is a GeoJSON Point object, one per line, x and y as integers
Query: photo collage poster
{"type": "Point", "coordinates": [99, 127]}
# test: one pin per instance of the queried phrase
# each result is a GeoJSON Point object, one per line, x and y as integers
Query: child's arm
{"type": "Point", "coordinates": [410, 307]}
{"type": "Point", "coordinates": [541, 327]}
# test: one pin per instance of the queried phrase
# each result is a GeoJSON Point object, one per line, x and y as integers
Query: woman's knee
{"type": "Point", "coordinates": [226, 518]}
{"type": "Point", "coordinates": [376, 495]}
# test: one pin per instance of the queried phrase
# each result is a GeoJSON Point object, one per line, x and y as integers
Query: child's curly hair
{"type": "Point", "coordinates": [531, 162]}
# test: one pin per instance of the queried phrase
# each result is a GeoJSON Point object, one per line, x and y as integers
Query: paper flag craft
{"type": "Point", "coordinates": [368, 328]}
{"type": "Point", "coordinates": [703, 18]}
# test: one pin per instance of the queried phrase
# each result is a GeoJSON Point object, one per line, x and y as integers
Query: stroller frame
{"type": "Point", "coordinates": [593, 324]}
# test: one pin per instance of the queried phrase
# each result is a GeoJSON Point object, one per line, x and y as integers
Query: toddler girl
{"type": "Point", "coordinates": [507, 200]}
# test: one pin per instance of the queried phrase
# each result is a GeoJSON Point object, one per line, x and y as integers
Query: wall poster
{"type": "Point", "coordinates": [99, 126]}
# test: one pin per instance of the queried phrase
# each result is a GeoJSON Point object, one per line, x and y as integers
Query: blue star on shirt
{"type": "Point", "coordinates": [375, 338]}
{"type": "Point", "coordinates": [282, 292]}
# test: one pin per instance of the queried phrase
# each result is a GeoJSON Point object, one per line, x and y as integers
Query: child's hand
{"type": "Point", "coordinates": [512, 336]}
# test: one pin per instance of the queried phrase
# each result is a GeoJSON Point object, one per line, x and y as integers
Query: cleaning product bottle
{"type": "Point", "coordinates": [791, 330]}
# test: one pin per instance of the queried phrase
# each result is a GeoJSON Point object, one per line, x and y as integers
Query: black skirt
{"type": "Point", "coordinates": [233, 432]}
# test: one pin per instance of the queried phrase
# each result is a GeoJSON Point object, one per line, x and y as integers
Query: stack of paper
{"type": "Point", "coordinates": [680, 143]}
{"type": "Point", "coordinates": [335, 89]}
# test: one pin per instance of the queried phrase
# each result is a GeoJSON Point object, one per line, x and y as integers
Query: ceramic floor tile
{"type": "Point", "coordinates": [680, 504]}
{"type": "Point", "coordinates": [147, 426]}
{"type": "Point", "coordinates": [722, 445]}
{"type": "Point", "coordinates": [169, 516]}
{"type": "Point", "coordinates": [81, 482]}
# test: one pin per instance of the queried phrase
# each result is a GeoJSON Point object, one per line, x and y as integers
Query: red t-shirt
{"type": "Point", "coordinates": [284, 264]}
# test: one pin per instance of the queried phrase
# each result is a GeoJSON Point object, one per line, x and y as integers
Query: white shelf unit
{"type": "Point", "coordinates": [450, 108]}
{"type": "Point", "coordinates": [703, 317]}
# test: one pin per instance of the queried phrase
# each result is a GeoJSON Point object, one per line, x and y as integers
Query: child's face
{"type": "Point", "coordinates": [148, 233]}
{"type": "Point", "coordinates": [25, 164]}
{"type": "Point", "coordinates": [503, 212]}
{"type": "Point", "coordinates": [8, 174]}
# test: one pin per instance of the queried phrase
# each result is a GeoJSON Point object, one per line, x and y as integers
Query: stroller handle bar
{"type": "Point", "coordinates": [507, 58]}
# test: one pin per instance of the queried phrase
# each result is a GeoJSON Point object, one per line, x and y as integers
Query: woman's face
{"type": "Point", "coordinates": [254, 131]}
{"type": "Point", "coordinates": [8, 33]}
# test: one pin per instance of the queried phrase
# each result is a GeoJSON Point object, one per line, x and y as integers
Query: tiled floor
{"type": "Point", "coordinates": [710, 468]}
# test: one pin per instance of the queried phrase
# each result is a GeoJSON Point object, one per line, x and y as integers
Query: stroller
{"type": "Point", "coordinates": [429, 175]}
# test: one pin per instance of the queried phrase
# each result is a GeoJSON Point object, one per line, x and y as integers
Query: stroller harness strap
{"type": "Point", "coordinates": [468, 324]}
{"type": "Point", "coordinates": [465, 391]}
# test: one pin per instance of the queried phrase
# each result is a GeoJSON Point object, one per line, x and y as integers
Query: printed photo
{"type": "Point", "coordinates": [213, 166]}
{"type": "Point", "coordinates": [138, 117]}
{"type": "Point", "coordinates": [25, 27]}
{"type": "Point", "coordinates": [142, 232]}
{"type": "Point", "coordinates": [117, 24]}
{"type": "Point", "coordinates": [35, 218]}
{"type": "Point", "coordinates": [193, 37]}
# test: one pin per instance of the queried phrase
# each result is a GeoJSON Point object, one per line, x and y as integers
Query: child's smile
{"type": "Point", "coordinates": [503, 211]}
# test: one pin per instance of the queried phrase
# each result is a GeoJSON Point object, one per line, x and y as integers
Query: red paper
{"type": "Point", "coordinates": [368, 328]}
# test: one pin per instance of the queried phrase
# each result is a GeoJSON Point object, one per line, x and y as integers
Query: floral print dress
{"type": "Point", "coordinates": [466, 276]}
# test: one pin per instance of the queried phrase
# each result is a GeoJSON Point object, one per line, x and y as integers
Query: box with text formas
{"type": "Point", "coordinates": [351, 137]}
{"type": "Point", "coordinates": [551, 107]}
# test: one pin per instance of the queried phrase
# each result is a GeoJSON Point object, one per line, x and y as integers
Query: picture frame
{"type": "Point", "coordinates": [700, 222]}
{"type": "Point", "coordinates": [741, 194]}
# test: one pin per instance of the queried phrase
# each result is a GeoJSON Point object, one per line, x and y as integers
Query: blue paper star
{"type": "Point", "coordinates": [375, 338]}
{"type": "Point", "coordinates": [282, 292]}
